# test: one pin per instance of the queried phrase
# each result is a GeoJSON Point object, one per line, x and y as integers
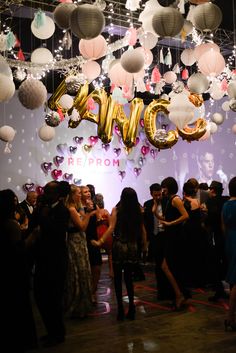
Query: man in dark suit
{"type": "Point", "coordinates": [28, 205]}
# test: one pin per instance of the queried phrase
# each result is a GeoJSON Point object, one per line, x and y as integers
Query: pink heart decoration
{"type": "Point", "coordinates": [56, 174]}
{"type": "Point", "coordinates": [153, 153]}
{"type": "Point", "coordinates": [137, 171]}
{"type": "Point", "coordinates": [145, 150]}
{"type": "Point", "coordinates": [117, 130]}
{"type": "Point", "coordinates": [46, 167]}
{"type": "Point", "coordinates": [106, 146]}
{"type": "Point", "coordinates": [39, 190]}
{"type": "Point", "coordinates": [137, 141]}
{"type": "Point", "coordinates": [141, 122]}
{"type": "Point", "coordinates": [93, 140]}
{"type": "Point", "coordinates": [141, 161]}
{"type": "Point", "coordinates": [67, 176]}
{"type": "Point", "coordinates": [77, 181]}
{"type": "Point", "coordinates": [58, 160]}
{"type": "Point", "coordinates": [29, 187]}
{"type": "Point", "coordinates": [78, 140]}
{"type": "Point", "coordinates": [122, 174]}
{"type": "Point", "coordinates": [72, 149]}
{"type": "Point", "coordinates": [62, 148]}
{"type": "Point", "coordinates": [117, 151]}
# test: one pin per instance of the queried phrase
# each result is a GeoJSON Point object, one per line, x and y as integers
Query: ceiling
{"type": "Point", "coordinates": [19, 14]}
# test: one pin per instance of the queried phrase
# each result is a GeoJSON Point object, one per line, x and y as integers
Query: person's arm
{"type": "Point", "coordinates": [80, 221]}
{"type": "Point", "coordinates": [109, 231]}
{"type": "Point", "coordinates": [177, 203]}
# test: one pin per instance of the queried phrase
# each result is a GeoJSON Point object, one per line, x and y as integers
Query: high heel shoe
{"type": "Point", "coordinates": [120, 315]}
{"type": "Point", "coordinates": [131, 313]}
{"type": "Point", "coordinates": [230, 325]}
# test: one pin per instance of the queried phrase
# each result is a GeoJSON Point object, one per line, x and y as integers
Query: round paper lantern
{"type": "Point", "coordinates": [187, 57]}
{"type": "Point", "coordinates": [32, 93]}
{"type": "Point", "coordinates": [234, 128]}
{"type": "Point", "coordinates": [62, 14]}
{"type": "Point", "coordinates": [66, 101]}
{"type": "Point", "coordinates": [217, 94]}
{"type": "Point", "coordinates": [119, 76]}
{"type": "Point", "coordinates": [198, 2]}
{"type": "Point", "coordinates": [232, 104]}
{"type": "Point", "coordinates": [148, 40]}
{"type": "Point", "coordinates": [167, 22]}
{"type": "Point", "coordinates": [132, 60]}
{"type": "Point", "coordinates": [147, 25]}
{"type": "Point", "coordinates": [7, 88]}
{"type": "Point", "coordinates": [232, 89]}
{"type": "Point", "coordinates": [91, 69]}
{"type": "Point", "coordinates": [5, 68]}
{"type": "Point", "coordinates": [181, 110]}
{"type": "Point", "coordinates": [7, 133]}
{"type": "Point", "coordinates": [148, 56]}
{"type": "Point", "coordinates": [213, 127]}
{"type": "Point", "coordinates": [41, 56]}
{"type": "Point", "coordinates": [46, 133]}
{"type": "Point", "coordinates": [169, 77]}
{"type": "Point", "coordinates": [206, 17]}
{"type": "Point", "coordinates": [211, 63]}
{"type": "Point", "coordinates": [93, 48]}
{"type": "Point", "coordinates": [217, 118]}
{"type": "Point", "coordinates": [207, 134]}
{"type": "Point", "coordinates": [198, 83]}
{"type": "Point", "coordinates": [87, 21]}
{"type": "Point", "coordinates": [166, 2]}
{"type": "Point", "coordinates": [45, 31]}
{"type": "Point", "coordinates": [225, 106]}
{"type": "Point", "coordinates": [203, 48]}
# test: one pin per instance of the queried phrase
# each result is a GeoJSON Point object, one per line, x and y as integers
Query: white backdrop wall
{"type": "Point", "coordinates": [110, 169]}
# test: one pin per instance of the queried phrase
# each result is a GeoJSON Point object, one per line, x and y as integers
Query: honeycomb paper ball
{"type": "Point", "coordinates": [32, 93]}
{"type": "Point", "coordinates": [198, 83]}
{"type": "Point", "coordinates": [7, 88]}
{"type": "Point", "coordinates": [46, 133]}
{"type": "Point", "coordinates": [5, 68]}
{"type": "Point", "coordinates": [132, 61]}
{"type": "Point", "coordinates": [7, 133]}
{"type": "Point", "coordinates": [62, 14]}
{"type": "Point", "coordinates": [217, 118]}
{"type": "Point", "coordinates": [41, 56]}
{"type": "Point", "coordinates": [87, 21]}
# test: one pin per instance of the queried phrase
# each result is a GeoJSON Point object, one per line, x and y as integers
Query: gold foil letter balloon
{"type": "Point", "coordinates": [194, 133]}
{"type": "Point", "coordinates": [163, 141]}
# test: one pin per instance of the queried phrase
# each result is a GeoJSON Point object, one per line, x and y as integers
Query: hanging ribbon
{"type": "Point", "coordinates": [66, 41]}
{"type": "Point", "coordinates": [7, 148]}
{"type": "Point", "coordinates": [10, 40]}
{"type": "Point", "coordinates": [39, 19]}
{"type": "Point", "coordinates": [181, 6]}
{"type": "Point", "coordinates": [161, 60]}
{"type": "Point", "coordinates": [156, 76]}
{"type": "Point", "coordinates": [168, 58]}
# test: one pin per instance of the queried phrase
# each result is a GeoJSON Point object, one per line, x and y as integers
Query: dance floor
{"type": "Point", "coordinates": [198, 328]}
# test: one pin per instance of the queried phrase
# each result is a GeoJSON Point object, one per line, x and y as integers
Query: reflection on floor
{"type": "Point", "coordinates": [157, 328]}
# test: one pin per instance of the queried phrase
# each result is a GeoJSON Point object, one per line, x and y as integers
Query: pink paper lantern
{"type": "Point", "coordinates": [148, 56]}
{"type": "Point", "coordinates": [93, 48]}
{"type": "Point", "coordinates": [119, 76]}
{"type": "Point", "coordinates": [187, 57]}
{"type": "Point", "coordinates": [211, 63]}
{"type": "Point", "coordinates": [91, 69]}
{"type": "Point", "coordinates": [201, 49]}
{"type": "Point", "coordinates": [170, 77]}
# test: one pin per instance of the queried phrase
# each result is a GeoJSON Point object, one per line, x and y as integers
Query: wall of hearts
{"type": "Point", "coordinates": [79, 156]}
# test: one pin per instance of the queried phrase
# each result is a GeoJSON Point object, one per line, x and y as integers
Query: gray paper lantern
{"type": "Point", "coordinates": [167, 22]}
{"type": "Point", "coordinates": [207, 17]}
{"type": "Point", "coordinates": [231, 90]}
{"type": "Point", "coordinates": [62, 14]}
{"type": "Point", "coordinates": [132, 61]}
{"type": "Point", "coordinates": [32, 93]}
{"type": "Point", "coordinates": [87, 21]}
{"type": "Point", "coordinates": [198, 83]}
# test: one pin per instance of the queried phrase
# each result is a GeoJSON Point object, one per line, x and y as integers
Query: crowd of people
{"type": "Point", "coordinates": [52, 243]}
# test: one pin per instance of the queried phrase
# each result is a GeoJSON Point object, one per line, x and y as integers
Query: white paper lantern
{"type": "Point", "coordinates": [41, 56]}
{"type": "Point", "coordinates": [93, 48]}
{"type": "Point", "coordinates": [32, 93]}
{"type": "Point", "coordinates": [7, 133]}
{"type": "Point", "coordinates": [211, 63]}
{"type": "Point", "coordinates": [217, 94]}
{"type": "Point", "coordinates": [87, 21]}
{"type": "Point", "coordinates": [232, 89]}
{"type": "Point", "coordinates": [45, 31]}
{"type": "Point", "coordinates": [91, 70]}
{"type": "Point", "coordinates": [167, 22]}
{"type": "Point", "coordinates": [198, 83]}
{"type": "Point", "coordinates": [66, 101]}
{"type": "Point", "coordinates": [62, 14]}
{"type": "Point", "coordinates": [148, 40]}
{"type": "Point", "coordinates": [234, 129]}
{"type": "Point", "coordinates": [132, 60]}
{"type": "Point", "coordinates": [217, 118]}
{"type": "Point", "coordinates": [213, 127]}
{"type": "Point", "coordinates": [5, 68]}
{"type": "Point", "coordinates": [206, 17]}
{"type": "Point", "coordinates": [7, 88]}
{"type": "Point", "coordinates": [170, 77]}
{"type": "Point", "coordinates": [225, 106]}
{"type": "Point", "coordinates": [181, 110]}
{"type": "Point", "coordinates": [147, 25]}
{"type": "Point", "coordinates": [46, 133]}
{"type": "Point", "coordinates": [187, 57]}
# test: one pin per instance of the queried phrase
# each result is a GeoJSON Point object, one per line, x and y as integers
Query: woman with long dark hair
{"type": "Point", "coordinates": [129, 232]}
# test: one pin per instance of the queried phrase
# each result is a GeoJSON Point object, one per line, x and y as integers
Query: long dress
{"type": "Point", "coordinates": [78, 293]}
{"type": "Point", "coordinates": [229, 219]}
